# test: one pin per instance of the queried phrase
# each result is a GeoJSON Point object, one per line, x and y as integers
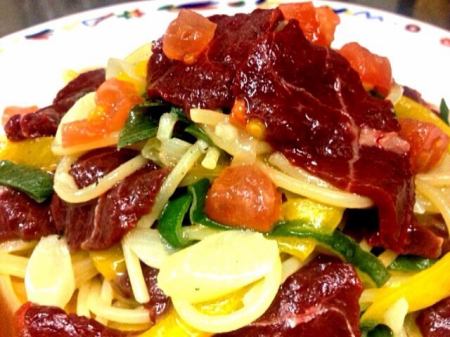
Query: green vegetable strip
{"type": "Point", "coordinates": [443, 109]}
{"type": "Point", "coordinates": [339, 243]}
{"type": "Point", "coordinates": [197, 216]}
{"type": "Point", "coordinates": [37, 184]}
{"type": "Point", "coordinates": [198, 133]}
{"type": "Point", "coordinates": [407, 263]}
{"type": "Point", "coordinates": [139, 126]}
{"type": "Point", "coordinates": [171, 221]}
{"type": "Point", "coordinates": [380, 331]}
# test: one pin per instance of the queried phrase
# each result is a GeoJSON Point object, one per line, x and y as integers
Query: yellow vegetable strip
{"type": "Point", "coordinates": [13, 265]}
{"type": "Point", "coordinates": [420, 291]}
{"type": "Point", "coordinates": [66, 188]}
{"type": "Point", "coordinates": [408, 108]}
{"type": "Point", "coordinates": [7, 290]}
{"type": "Point", "coordinates": [205, 116]}
{"type": "Point", "coordinates": [289, 267]}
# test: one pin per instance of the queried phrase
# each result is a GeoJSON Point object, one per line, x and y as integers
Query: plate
{"type": "Point", "coordinates": [33, 61]}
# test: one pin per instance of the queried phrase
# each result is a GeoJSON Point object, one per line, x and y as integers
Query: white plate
{"type": "Point", "coordinates": [33, 61]}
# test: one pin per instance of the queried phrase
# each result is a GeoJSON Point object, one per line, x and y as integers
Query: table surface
{"type": "Point", "coordinates": [17, 15]}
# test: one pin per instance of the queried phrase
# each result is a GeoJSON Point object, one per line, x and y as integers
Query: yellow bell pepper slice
{"type": "Point", "coordinates": [300, 248]}
{"type": "Point", "coordinates": [109, 262]}
{"type": "Point", "coordinates": [323, 217]}
{"type": "Point", "coordinates": [420, 291]}
{"type": "Point", "coordinates": [34, 152]}
{"type": "Point", "coordinates": [408, 108]}
{"type": "Point", "coordinates": [172, 325]}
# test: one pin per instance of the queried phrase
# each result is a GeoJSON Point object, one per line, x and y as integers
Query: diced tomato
{"type": "Point", "coordinates": [188, 36]}
{"type": "Point", "coordinates": [238, 113]}
{"type": "Point", "coordinates": [328, 20]}
{"type": "Point", "coordinates": [428, 143]}
{"type": "Point", "coordinates": [243, 196]}
{"type": "Point", "coordinates": [16, 110]}
{"type": "Point", "coordinates": [114, 98]}
{"type": "Point", "coordinates": [375, 71]}
{"type": "Point", "coordinates": [318, 24]}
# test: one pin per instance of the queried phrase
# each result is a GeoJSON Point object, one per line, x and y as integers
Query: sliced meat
{"type": "Point", "coordinates": [321, 299]}
{"type": "Point", "coordinates": [92, 166]}
{"type": "Point", "coordinates": [314, 107]}
{"type": "Point", "coordinates": [23, 218]}
{"type": "Point", "coordinates": [78, 87]}
{"type": "Point", "coordinates": [102, 222]}
{"type": "Point", "coordinates": [158, 303]}
{"type": "Point", "coordinates": [435, 321]}
{"type": "Point", "coordinates": [34, 320]}
{"type": "Point", "coordinates": [207, 82]}
{"type": "Point", "coordinates": [45, 121]}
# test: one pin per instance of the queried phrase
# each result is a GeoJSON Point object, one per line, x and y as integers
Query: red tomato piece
{"type": "Point", "coordinates": [243, 196]}
{"type": "Point", "coordinates": [428, 143]}
{"type": "Point", "coordinates": [16, 110]}
{"type": "Point", "coordinates": [115, 99]}
{"type": "Point", "coordinates": [318, 24]}
{"type": "Point", "coordinates": [188, 36]}
{"type": "Point", "coordinates": [374, 70]}
{"type": "Point", "coordinates": [328, 20]}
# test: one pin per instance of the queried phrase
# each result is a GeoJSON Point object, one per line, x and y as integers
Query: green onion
{"type": "Point", "coordinates": [198, 132]}
{"type": "Point", "coordinates": [171, 221]}
{"type": "Point", "coordinates": [197, 215]}
{"type": "Point", "coordinates": [37, 184]}
{"type": "Point", "coordinates": [443, 109]}
{"type": "Point", "coordinates": [380, 331]}
{"type": "Point", "coordinates": [339, 243]}
{"type": "Point", "coordinates": [142, 123]}
{"type": "Point", "coordinates": [408, 263]}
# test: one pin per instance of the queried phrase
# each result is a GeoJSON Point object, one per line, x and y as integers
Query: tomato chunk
{"type": "Point", "coordinates": [318, 24]}
{"type": "Point", "coordinates": [188, 36]}
{"type": "Point", "coordinates": [428, 143]}
{"type": "Point", "coordinates": [243, 196]}
{"type": "Point", "coordinates": [16, 110]}
{"type": "Point", "coordinates": [374, 70]}
{"type": "Point", "coordinates": [114, 99]}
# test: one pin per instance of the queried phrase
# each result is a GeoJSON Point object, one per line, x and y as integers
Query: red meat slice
{"type": "Point", "coordinates": [435, 321]}
{"type": "Point", "coordinates": [102, 222]}
{"type": "Point", "coordinates": [43, 321]}
{"type": "Point", "coordinates": [45, 121]}
{"type": "Point", "coordinates": [320, 299]}
{"type": "Point", "coordinates": [207, 82]}
{"type": "Point", "coordinates": [22, 217]}
{"type": "Point", "coordinates": [316, 111]}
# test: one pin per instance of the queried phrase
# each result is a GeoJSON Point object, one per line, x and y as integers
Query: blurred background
{"type": "Point", "coordinates": [20, 14]}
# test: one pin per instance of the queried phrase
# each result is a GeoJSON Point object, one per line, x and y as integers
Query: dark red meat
{"type": "Point", "coordinates": [22, 217]}
{"type": "Point", "coordinates": [44, 122]}
{"type": "Point", "coordinates": [320, 299]}
{"type": "Point", "coordinates": [78, 87]}
{"type": "Point", "coordinates": [158, 303]}
{"type": "Point", "coordinates": [207, 83]}
{"type": "Point", "coordinates": [43, 321]}
{"type": "Point", "coordinates": [315, 108]}
{"type": "Point", "coordinates": [95, 164]}
{"type": "Point", "coordinates": [101, 223]}
{"type": "Point", "coordinates": [435, 321]}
